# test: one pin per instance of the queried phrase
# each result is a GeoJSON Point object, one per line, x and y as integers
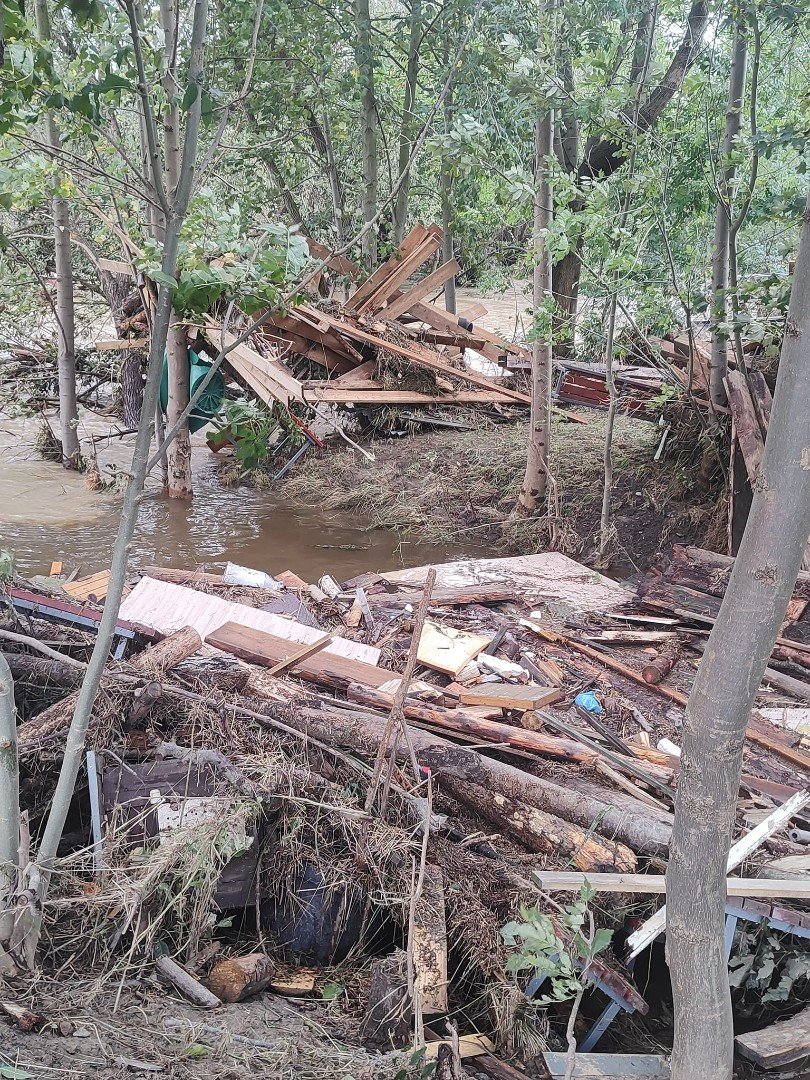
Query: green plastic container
{"type": "Point", "coordinates": [213, 396]}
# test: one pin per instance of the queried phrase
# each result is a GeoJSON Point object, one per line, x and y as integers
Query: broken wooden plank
{"type": "Point", "coordinates": [429, 944]}
{"type": "Point", "coordinates": [325, 668]}
{"type": "Point", "coordinates": [361, 396]}
{"type": "Point", "coordinates": [242, 353]}
{"type": "Point", "coordinates": [506, 696]}
{"type": "Point", "coordinates": [445, 649]}
{"type": "Point", "coordinates": [471, 594]}
{"type": "Point", "coordinates": [656, 924]}
{"type": "Point", "coordinates": [655, 884]}
{"type": "Point", "coordinates": [119, 344]}
{"type": "Point", "coordinates": [783, 1043]}
{"type": "Point", "coordinates": [339, 263]}
{"type": "Point", "coordinates": [415, 237]}
{"type": "Point", "coordinates": [749, 434]}
{"type": "Point", "coordinates": [469, 1046]}
{"type": "Point", "coordinates": [421, 289]}
{"type": "Point", "coordinates": [301, 654]}
{"type": "Point", "coordinates": [400, 274]}
{"type": "Point", "coordinates": [116, 266]}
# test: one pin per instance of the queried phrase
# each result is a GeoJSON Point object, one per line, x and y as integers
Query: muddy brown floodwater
{"type": "Point", "coordinates": [47, 513]}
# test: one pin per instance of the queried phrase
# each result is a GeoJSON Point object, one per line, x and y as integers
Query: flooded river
{"type": "Point", "coordinates": [47, 513]}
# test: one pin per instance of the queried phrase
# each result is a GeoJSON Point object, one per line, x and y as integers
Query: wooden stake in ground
{"type": "Point", "coordinates": [396, 717]}
{"type": "Point", "coordinates": [734, 660]}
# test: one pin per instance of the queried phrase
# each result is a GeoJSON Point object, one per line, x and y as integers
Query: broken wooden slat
{"type": "Point", "coordinates": [749, 435]}
{"type": "Point", "coordinates": [407, 397]}
{"type": "Point", "coordinates": [339, 263]}
{"type": "Point", "coordinates": [362, 375]}
{"type": "Point", "coordinates": [325, 668]}
{"type": "Point", "coordinates": [56, 568]}
{"type": "Point", "coordinates": [118, 344]}
{"type": "Point", "coordinates": [656, 924]}
{"type": "Point", "coordinates": [426, 250]}
{"type": "Point", "coordinates": [429, 944]}
{"type": "Point", "coordinates": [469, 1046]}
{"type": "Point", "coordinates": [116, 266]}
{"type": "Point", "coordinates": [415, 237]}
{"type": "Point", "coordinates": [421, 289]}
{"type": "Point", "coordinates": [783, 1043]}
{"type": "Point", "coordinates": [242, 353]}
{"type": "Point", "coordinates": [761, 397]}
{"type": "Point", "coordinates": [506, 696]}
{"type": "Point", "coordinates": [472, 594]}
{"type": "Point", "coordinates": [301, 654]}
{"type": "Point", "coordinates": [655, 884]}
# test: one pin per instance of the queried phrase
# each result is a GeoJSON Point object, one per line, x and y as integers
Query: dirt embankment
{"type": "Point", "coordinates": [463, 486]}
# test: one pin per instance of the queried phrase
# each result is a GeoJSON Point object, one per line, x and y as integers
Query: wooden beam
{"type": "Point", "coordinates": [400, 274]}
{"type": "Point", "coordinates": [116, 266]}
{"type": "Point", "coordinates": [411, 242]}
{"type": "Point", "coordinates": [405, 397]}
{"type": "Point", "coordinates": [302, 654]}
{"type": "Point", "coordinates": [119, 344]}
{"type": "Point", "coordinates": [565, 881]}
{"type": "Point", "coordinates": [749, 434]}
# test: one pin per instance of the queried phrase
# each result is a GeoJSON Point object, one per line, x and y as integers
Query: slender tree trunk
{"type": "Point", "coordinates": [406, 127]}
{"type": "Point", "coordinates": [535, 482]}
{"type": "Point", "coordinates": [38, 875]}
{"type": "Point", "coordinates": [9, 802]}
{"type": "Point", "coordinates": [322, 137]}
{"type": "Point", "coordinates": [446, 186]}
{"type": "Point", "coordinates": [65, 312]}
{"type": "Point", "coordinates": [736, 654]}
{"type": "Point", "coordinates": [178, 455]}
{"type": "Point", "coordinates": [718, 364]}
{"type": "Point", "coordinates": [368, 125]}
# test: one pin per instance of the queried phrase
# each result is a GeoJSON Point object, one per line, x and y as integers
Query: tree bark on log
{"type": "Point", "coordinates": [362, 733]}
{"type": "Point", "coordinates": [542, 832]}
{"type": "Point", "coordinates": [39, 669]}
{"type": "Point", "coordinates": [166, 654]}
{"type": "Point", "coordinates": [241, 977]}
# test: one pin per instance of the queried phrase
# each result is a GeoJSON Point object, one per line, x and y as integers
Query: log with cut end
{"type": "Point", "coordinates": [241, 977]}
{"type": "Point", "coordinates": [542, 832]}
{"type": "Point", "coordinates": [662, 664]}
{"type": "Point", "coordinates": [166, 654]}
{"type": "Point", "coordinates": [630, 821]}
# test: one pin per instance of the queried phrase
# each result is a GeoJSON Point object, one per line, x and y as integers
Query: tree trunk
{"type": "Point", "coordinates": [542, 832]}
{"type": "Point", "coordinates": [38, 875]}
{"type": "Point", "coordinates": [406, 126]}
{"type": "Point", "coordinates": [446, 191]}
{"type": "Point", "coordinates": [535, 482]}
{"type": "Point", "coordinates": [718, 363]}
{"type": "Point", "coordinates": [368, 126]}
{"type": "Point", "coordinates": [9, 802]}
{"type": "Point", "coordinates": [322, 137]}
{"type": "Point", "coordinates": [178, 454]}
{"type": "Point", "coordinates": [65, 313]}
{"type": "Point", "coordinates": [627, 821]}
{"type": "Point", "coordinates": [717, 716]}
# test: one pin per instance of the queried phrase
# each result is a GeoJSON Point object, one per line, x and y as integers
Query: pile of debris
{"type": "Point", "coordinates": [392, 767]}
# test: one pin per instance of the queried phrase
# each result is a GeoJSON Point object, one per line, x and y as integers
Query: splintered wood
{"type": "Point", "coordinates": [429, 944]}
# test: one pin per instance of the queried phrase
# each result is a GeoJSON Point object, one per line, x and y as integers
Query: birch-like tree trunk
{"type": "Point", "coordinates": [408, 119]}
{"type": "Point", "coordinates": [38, 875]}
{"type": "Point", "coordinates": [64, 306]}
{"type": "Point", "coordinates": [535, 482]}
{"type": "Point", "coordinates": [364, 57]}
{"type": "Point", "coordinates": [718, 364]}
{"type": "Point", "coordinates": [9, 802]}
{"type": "Point", "coordinates": [733, 663]}
{"type": "Point", "coordinates": [178, 454]}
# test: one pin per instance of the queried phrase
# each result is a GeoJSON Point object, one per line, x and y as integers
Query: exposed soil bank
{"type": "Point", "coordinates": [452, 487]}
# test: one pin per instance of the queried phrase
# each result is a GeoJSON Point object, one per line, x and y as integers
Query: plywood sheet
{"type": "Point", "coordinates": [552, 579]}
{"type": "Point", "coordinates": [446, 649]}
{"type": "Point", "coordinates": [164, 606]}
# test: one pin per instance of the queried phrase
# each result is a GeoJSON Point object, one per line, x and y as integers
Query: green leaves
{"type": "Point", "coordinates": [189, 97]}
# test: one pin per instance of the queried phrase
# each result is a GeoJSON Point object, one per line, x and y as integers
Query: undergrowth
{"type": "Point", "coordinates": [463, 486]}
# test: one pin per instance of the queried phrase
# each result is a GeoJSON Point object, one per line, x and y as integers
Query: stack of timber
{"type": "Point", "coordinates": [483, 728]}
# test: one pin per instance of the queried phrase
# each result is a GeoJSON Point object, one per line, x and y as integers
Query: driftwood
{"type": "Point", "coordinates": [661, 665]}
{"type": "Point", "coordinates": [168, 653]}
{"type": "Point", "coordinates": [188, 986]}
{"type": "Point", "coordinates": [542, 832]}
{"type": "Point", "coordinates": [241, 977]}
{"type": "Point", "coordinates": [40, 669]}
{"type": "Point", "coordinates": [632, 823]}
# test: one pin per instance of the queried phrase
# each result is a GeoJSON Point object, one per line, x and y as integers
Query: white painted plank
{"type": "Point", "coordinates": [656, 924]}
{"type": "Point", "coordinates": [610, 1066]}
{"type": "Point", "coordinates": [164, 606]}
{"type": "Point", "coordinates": [549, 578]}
